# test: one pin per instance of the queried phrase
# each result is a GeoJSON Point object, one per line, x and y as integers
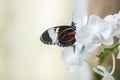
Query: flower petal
{"type": "Point", "coordinates": [105, 29]}
{"type": "Point", "coordinates": [113, 19]}
{"type": "Point", "coordinates": [97, 71]}
{"type": "Point", "coordinates": [118, 56]}
{"type": "Point", "coordinates": [109, 41]}
{"type": "Point", "coordinates": [80, 12]}
{"type": "Point", "coordinates": [69, 56]}
{"type": "Point", "coordinates": [108, 77]}
{"type": "Point", "coordinates": [102, 69]}
{"type": "Point", "coordinates": [83, 35]}
{"type": "Point", "coordinates": [103, 72]}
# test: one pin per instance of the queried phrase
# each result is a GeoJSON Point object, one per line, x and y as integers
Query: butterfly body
{"type": "Point", "coordinates": [63, 36]}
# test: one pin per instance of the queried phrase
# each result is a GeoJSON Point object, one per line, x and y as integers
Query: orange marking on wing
{"type": "Point", "coordinates": [70, 39]}
{"type": "Point", "coordinates": [64, 31]}
{"type": "Point", "coordinates": [70, 33]}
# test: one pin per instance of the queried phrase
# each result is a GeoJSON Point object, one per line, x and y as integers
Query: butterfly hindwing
{"type": "Point", "coordinates": [61, 35]}
{"type": "Point", "coordinates": [66, 36]}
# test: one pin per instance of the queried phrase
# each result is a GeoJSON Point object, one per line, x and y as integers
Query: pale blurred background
{"type": "Point", "coordinates": [22, 55]}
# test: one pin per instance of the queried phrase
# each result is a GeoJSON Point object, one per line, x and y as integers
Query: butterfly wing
{"type": "Point", "coordinates": [61, 35]}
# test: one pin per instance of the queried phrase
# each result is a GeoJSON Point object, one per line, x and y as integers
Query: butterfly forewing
{"type": "Point", "coordinates": [62, 36]}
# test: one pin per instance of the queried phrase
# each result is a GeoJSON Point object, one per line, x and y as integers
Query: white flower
{"type": "Point", "coordinates": [80, 15]}
{"type": "Point", "coordinates": [97, 31]}
{"type": "Point", "coordinates": [73, 58]}
{"type": "Point", "coordinates": [118, 56]}
{"type": "Point", "coordinates": [113, 19]}
{"type": "Point", "coordinates": [115, 22]}
{"type": "Point", "coordinates": [103, 72]}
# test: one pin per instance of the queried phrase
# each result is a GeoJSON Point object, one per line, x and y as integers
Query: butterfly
{"type": "Point", "coordinates": [62, 36]}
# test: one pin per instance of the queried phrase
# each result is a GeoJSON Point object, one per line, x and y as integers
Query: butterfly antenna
{"type": "Point", "coordinates": [73, 23]}
{"type": "Point", "coordinates": [72, 18]}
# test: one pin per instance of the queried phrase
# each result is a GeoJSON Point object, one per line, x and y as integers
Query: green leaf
{"type": "Point", "coordinates": [97, 76]}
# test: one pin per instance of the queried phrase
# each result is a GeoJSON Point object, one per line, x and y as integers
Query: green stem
{"type": "Point", "coordinates": [113, 67]}
{"type": "Point", "coordinates": [106, 50]}
{"type": "Point", "coordinates": [92, 61]}
{"type": "Point", "coordinates": [116, 45]}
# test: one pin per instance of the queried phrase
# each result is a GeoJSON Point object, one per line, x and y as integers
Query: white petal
{"type": "Point", "coordinates": [81, 73]}
{"type": "Point", "coordinates": [98, 72]}
{"type": "Point", "coordinates": [116, 31]}
{"type": "Point", "coordinates": [109, 18]}
{"type": "Point", "coordinates": [73, 68]}
{"type": "Point", "coordinates": [103, 72]}
{"type": "Point", "coordinates": [112, 19]}
{"type": "Point", "coordinates": [68, 56]}
{"type": "Point", "coordinates": [109, 41]}
{"type": "Point", "coordinates": [80, 12]}
{"type": "Point", "coordinates": [108, 77]}
{"type": "Point", "coordinates": [118, 56]}
{"type": "Point", "coordinates": [93, 19]}
{"type": "Point", "coordinates": [78, 48]}
{"type": "Point", "coordinates": [105, 29]}
{"type": "Point", "coordinates": [73, 58]}
{"type": "Point", "coordinates": [119, 18]}
{"type": "Point", "coordinates": [88, 35]}
{"type": "Point", "coordinates": [92, 47]}
{"type": "Point", "coordinates": [83, 35]}
{"type": "Point", "coordinates": [102, 69]}
{"type": "Point", "coordinates": [93, 24]}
